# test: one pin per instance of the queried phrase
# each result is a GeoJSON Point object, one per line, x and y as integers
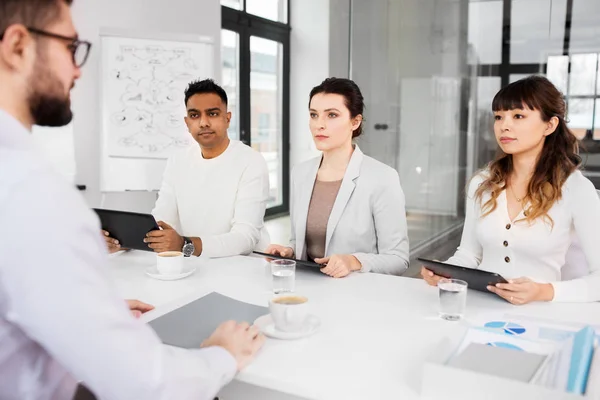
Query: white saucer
{"type": "Point", "coordinates": [153, 273]}
{"type": "Point", "coordinates": [266, 326]}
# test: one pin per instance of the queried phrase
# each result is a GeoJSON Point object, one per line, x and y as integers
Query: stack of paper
{"type": "Point", "coordinates": [499, 361]}
{"type": "Point", "coordinates": [582, 350]}
{"type": "Point", "coordinates": [593, 384]}
{"type": "Point", "coordinates": [558, 364]}
{"type": "Point", "coordinates": [574, 367]}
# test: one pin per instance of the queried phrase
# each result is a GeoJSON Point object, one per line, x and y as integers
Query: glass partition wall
{"type": "Point", "coordinates": [429, 70]}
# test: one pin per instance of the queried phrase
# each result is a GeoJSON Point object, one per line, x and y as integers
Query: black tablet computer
{"type": "Point", "coordinates": [476, 278]}
{"type": "Point", "coordinates": [128, 228]}
{"type": "Point", "coordinates": [298, 262]}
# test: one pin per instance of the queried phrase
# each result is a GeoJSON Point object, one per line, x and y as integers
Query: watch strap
{"type": "Point", "coordinates": [186, 244]}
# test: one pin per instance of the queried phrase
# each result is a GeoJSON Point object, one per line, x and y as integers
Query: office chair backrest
{"type": "Point", "coordinates": [576, 265]}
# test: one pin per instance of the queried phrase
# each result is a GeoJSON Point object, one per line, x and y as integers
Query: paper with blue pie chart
{"type": "Point", "coordinates": [504, 345]}
{"type": "Point", "coordinates": [509, 328]}
{"type": "Point", "coordinates": [533, 328]}
{"type": "Point", "coordinates": [496, 337]}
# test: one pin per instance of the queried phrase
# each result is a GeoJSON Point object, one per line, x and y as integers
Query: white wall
{"type": "Point", "coordinates": [319, 49]}
{"type": "Point", "coordinates": [373, 69]}
{"type": "Point", "coordinates": [309, 65]}
{"type": "Point", "coordinates": [201, 17]}
{"type": "Point", "coordinates": [339, 38]}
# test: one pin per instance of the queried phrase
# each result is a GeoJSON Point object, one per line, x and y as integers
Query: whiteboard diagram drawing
{"type": "Point", "coordinates": [143, 94]}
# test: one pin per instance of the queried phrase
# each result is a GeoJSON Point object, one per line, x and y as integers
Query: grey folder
{"type": "Point", "coordinates": [498, 361]}
{"type": "Point", "coordinates": [189, 325]}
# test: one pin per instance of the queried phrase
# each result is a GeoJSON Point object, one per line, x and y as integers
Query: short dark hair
{"type": "Point", "coordinates": [31, 13]}
{"type": "Point", "coordinates": [204, 86]}
{"type": "Point", "coordinates": [352, 96]}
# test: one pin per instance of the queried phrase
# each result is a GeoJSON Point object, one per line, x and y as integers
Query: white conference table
{"type": "Point", "coordinates": [376, 330]}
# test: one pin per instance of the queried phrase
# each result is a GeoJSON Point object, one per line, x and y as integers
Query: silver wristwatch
{"type": "Point", "coordinates": [188, 247]}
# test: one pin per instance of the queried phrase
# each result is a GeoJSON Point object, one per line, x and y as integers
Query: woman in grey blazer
{"type": "Point", "coordinates": [347, 209]}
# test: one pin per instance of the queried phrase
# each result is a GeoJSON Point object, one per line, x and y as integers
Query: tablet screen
{"type": "Point", "coordinates": [128, 228]}
{"type": "Point", "coordinates": [476, 278]}
{"type": "Point", "coordinates": [298, 262]}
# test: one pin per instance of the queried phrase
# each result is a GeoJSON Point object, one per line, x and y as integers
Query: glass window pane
{"type": "Point", "coordinates": [558, 72]}
{"type": "Point", "coordinates": [597, 121]}
{"type": "Point", "coordinates": [515, 77]}
{"type": "Point", "coordinates": [537, 29]}
{"type": "Point", "coordinates": [266, 90]}
{"type": "Point", "coordinates": [230, 61]}
{"type": "Point", "coordinates": [235, 4]}
{"type": "Point", "coordinates": [484, 140]}
{"type": "Point", "coordinates": [598, 77]}
{"type": "Point", "coordinates": [275, 10]}
{"type": "Point", "coordinates": [585, 30]}
{"type": "Point", "coordinates": [580, 116]}
{"type": "Point", "coordinates": [583, 74]}
{"type": "Point", "coordinates": [485, 31]}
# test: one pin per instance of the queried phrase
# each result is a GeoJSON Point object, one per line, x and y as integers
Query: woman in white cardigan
{"type": "Point", "coordinates": [523, 209]}
{"type": "Point", "coordinates": [347, 209]}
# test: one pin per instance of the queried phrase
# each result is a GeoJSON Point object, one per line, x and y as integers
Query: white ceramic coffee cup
{"type": "Point", "coordinates": [289, 312]}
{"type": "Point", "coordinates": [169, 262]}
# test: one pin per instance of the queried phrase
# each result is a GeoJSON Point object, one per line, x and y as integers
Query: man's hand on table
{"type": "Point", "coordinates": [138, 307]}
{"type": "Point", "coordinates": [242, 341]}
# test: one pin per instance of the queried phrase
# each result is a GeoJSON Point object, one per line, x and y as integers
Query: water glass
{"type": "Point", "coordinates": [453, 299]}
{"type": "Point", "coordinates": [284, 275]}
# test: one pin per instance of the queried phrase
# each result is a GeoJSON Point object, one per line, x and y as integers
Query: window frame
{"type": "Point", "coordinates": [247, 25]}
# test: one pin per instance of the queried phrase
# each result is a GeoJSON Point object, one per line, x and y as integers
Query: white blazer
{"type": "Point", "coordinates": [368, 218]}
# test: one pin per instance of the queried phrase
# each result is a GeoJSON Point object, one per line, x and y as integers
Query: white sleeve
{"type": "Point", "coordinates": [248, 216]}
{"type": "Point", "coordinates": [165, 208]}
{"type": "Point", "coordinates": [584, 205]}
{"type": "Point", "coordinates": [389, 216]}
{"type": "Point", "coordinates": [470, 252]}
{"type": "Point", "coordinates": [57, 292]}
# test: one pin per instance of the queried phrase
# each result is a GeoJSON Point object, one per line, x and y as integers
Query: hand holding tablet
{"type": "Point", "coordinates": [127, 228]}
{"type": "Point", "coordinates": [476, 278]}
{"type": "Point", "coordinates": [298, 262]}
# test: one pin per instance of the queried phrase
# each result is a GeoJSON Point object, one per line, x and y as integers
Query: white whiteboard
{"type": "Point", "coordinates": [143, 78]}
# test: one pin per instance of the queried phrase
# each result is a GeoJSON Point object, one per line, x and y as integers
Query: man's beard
{"type": "Point", "coordinates": [48, 104]}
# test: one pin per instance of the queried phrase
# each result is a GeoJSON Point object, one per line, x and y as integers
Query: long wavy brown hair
{"type": "Point", "coordinates": [558, 159]}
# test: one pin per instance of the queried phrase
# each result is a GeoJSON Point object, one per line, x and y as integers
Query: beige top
{"type": "Point", "coordinates": [321, 203]}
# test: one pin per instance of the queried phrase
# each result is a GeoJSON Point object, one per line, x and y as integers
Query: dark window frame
{"type": "Point", "coordinates": [247, 25]}
{"type": "Point", "coordinates": [505, 69]}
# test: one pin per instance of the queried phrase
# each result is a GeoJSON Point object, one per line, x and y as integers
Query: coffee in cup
{"type": "Point", "coordinates": [169, 262]}
{"type": "Point", "coordinates": [289, 312]}
{"type": "Point", "coordinates": [290, 300]}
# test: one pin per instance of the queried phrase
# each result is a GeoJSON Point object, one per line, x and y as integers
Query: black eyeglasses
{"type": "Point", "coordinates": [80, 49]}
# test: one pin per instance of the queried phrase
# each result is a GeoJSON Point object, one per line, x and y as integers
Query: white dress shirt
{"type": "Point", "coordinates": [221, 200]}
{"type": "Point", "coordinates": [515, 248]}
{"type": "Point", "coordinates": [61, 319]}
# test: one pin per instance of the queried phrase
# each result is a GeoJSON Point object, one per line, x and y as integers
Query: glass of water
{"type": "Point", "coordinates": [284, 275]}
{"type": "Point", "coordinates": [453, 299]}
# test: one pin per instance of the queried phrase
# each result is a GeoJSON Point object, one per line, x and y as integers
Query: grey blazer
{"type": "Point", "coordinates": [368, 219]}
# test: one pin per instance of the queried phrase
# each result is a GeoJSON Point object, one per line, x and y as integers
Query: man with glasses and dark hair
{"type": "Point", "coordinates": [48, 95]}
{"type": "Point", "coordinates": [61, 320]}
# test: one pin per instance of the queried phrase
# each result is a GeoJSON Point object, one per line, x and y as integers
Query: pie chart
{"type": "Point", "coordinates": [509, 328]}
{"type": "Point", "coordinates": [504, 345]}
